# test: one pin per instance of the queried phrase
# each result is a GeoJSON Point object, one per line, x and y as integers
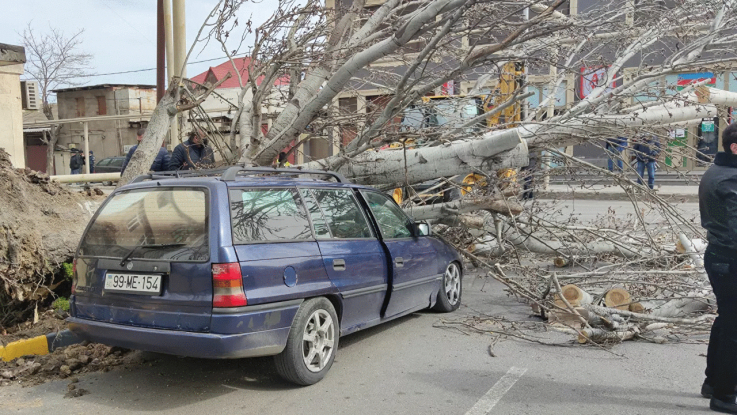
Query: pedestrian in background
{"type": "Point", "coordinates": [646, 151]}
{"type": "Point", "coordinates": [528, 173]}
{"type": "Point", "coordinates": [614, 148]}
{"type": "Point", "coordinates": [76, 162]}
{"type": "Point", "coordinates": [161, 162]}
{"type": "Point", "coordinates": [192, 153]}
{"type": "Point", "coordinates": [91, 159]}
{"type": "Point", "coordinates": [718, 208]}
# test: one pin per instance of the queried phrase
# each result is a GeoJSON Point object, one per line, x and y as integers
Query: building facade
{"type": "Point", "coordinates": [107, 138]}
{"type": "Point", "coordinates": [12, 59]}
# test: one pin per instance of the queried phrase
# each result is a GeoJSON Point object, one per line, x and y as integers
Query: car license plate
{"type": "Point", "coordinates": [133, 283]}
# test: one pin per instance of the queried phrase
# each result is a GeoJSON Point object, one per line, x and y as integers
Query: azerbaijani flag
{"type": "Point", "coordinates": [690, 78]}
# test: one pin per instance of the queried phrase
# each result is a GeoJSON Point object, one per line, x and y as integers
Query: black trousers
{"type": "Point", "coordinates": [721, 358]}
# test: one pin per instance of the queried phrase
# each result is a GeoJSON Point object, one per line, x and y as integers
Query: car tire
{"type": "Point", "coordinates": [304, 361]}
{"type": "Point", "coordinates": [449, 296]}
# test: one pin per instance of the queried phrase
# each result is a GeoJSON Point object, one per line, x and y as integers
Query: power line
{"type": "Point", "coordinates": [149, 69]}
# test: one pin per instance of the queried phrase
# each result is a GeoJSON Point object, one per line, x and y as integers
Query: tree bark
{"type": "Point", "coordinates": [156, 131]}
{"type": "Point", "coordinates": [466, 205]}
{"type": "Point", "coordinates": [397, 168]}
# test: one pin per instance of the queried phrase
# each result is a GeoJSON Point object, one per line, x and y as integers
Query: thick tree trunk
{"type": "Point", "coordinates": [398, 167]}
{"type": "Point", "coordinates": [50, 145]}
{"type": "Point", "coordinates": [156, 131]}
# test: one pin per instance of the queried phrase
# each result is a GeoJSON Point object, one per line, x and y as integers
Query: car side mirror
{"type": "Point", "coordinates": [423, 229]}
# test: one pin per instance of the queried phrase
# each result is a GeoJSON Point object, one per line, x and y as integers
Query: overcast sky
{"type": "Point", "coordinates": [120, 34]}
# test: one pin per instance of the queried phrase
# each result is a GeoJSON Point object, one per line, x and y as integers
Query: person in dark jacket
{"type": "Point", "coordinates": [718, 208]}
{"type": "Point", "coordinates": [646, 151]}
{"type": "Point", "coordinates": [91, 159]}
{"type": "Point", "coordinates": [161, 162]}
{"type": "Point", "coordinates": [76, 162]}
{"type": "Point", "coordinates": [528, 173]}
{"type": "Point", "coordinates": [192, 153]}
{"type": "Point", "coordinates": [614, 148]}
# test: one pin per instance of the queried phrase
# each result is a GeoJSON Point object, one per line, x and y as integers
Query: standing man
{"type": "Point", "coordinates": [614, 148]}
{"type": "Point", "coordinates": [76, 162]}
{"type": "Point", "coordinates": [161, 162]}
{"type": "Point", "coordinates": [718, 207]}
{"type": "Point", "coordinates": [193, 153]}
{"type": "Point", "coordinates": [646, 151]}
{"type": "Point", "coordinates": [528, 187]}
{"type": "Point", "coordinates": [91, 159]}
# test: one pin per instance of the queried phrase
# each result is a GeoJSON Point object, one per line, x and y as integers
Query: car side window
{"type": "Point", "coordinates": [390, 217]}
{"type": "Point", "coordinates": [117, 162]}
{"type": "Point", "coordinates": [319, 223]}
{"type": "Point", "coordinates": [103, 162]}
{"type": "Point", "coordinates": [344, 217]}
{"type": "Point", "coordinates": [260, 215]}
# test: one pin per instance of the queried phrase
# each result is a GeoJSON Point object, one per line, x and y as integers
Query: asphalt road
{"type": "Point", "coordinates": [405, 367]}
{"type": "Point", "coordinates": [408, 367]}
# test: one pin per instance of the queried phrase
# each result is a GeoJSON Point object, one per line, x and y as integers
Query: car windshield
{"type": "Point", "coordinates": [173, 220]}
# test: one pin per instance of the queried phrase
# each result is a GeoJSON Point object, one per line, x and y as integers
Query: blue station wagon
{"type": "Point", "coordinates": [254, 262]}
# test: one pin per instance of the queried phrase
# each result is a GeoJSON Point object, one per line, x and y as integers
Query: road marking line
{"type": "Point", "coordinates": [494, 395]}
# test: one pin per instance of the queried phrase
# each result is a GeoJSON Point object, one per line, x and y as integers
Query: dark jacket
{"type": "Point", "coordinates": [616, 142]}
{"type": "Point", "coordinates": [718, 202]}
{"type": "Point", "coordinates": [161, 162]}
{"type": "Point", "coordinates": [199, 155]}
{"type": "Point", "coordinates": [647, 149]}
{"type": "Point", "coordinates": [92, 163]}
{"type": "Point", "coordinates": [76, 161]}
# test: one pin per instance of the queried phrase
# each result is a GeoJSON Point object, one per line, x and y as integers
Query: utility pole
{"type": "Point", "coordinates": [180, 51]}
{"type": "Point", "coordinates": [160, 51]}
{"type": "Point", "coordinates": [180, 37]}
{"type": "Point", "coordinates": [170, 64]}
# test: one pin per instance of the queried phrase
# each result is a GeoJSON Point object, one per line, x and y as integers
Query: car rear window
{"type": "Point", "coordinates": [162, 224]}
{"type": "Point", "coordinates": [262, 215]}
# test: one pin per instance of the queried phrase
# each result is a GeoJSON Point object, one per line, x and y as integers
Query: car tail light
{"type": "Point", "coordinates": [227, 286]}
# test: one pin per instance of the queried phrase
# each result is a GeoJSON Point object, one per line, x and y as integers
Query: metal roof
{"type": "Point", "coordinates": [104, 86]}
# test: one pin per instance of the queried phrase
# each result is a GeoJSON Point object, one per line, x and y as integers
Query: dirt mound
{"type": "Point", "coordinates": [40, 225]}
{"type": "Point", "coordinates": [65, 362]}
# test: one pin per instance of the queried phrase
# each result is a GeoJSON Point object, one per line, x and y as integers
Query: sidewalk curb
{"type": "Point", "coordinates": [39, 345]}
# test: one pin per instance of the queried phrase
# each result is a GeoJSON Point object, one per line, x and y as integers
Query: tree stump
{"type": "Point", "coordinates": [575, 296]}
{"type": "Point", "coordinates": [618, 298]}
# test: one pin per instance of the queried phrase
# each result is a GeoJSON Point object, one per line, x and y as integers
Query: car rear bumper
{"type": "Point", "coordinates": [273, 321]}
{"type": "Point", "coordinates": [182, 343]}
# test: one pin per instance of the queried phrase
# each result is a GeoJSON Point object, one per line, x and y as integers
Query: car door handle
{"type": "Point", "coordinates": [399, 261]}
{"type": "Point", "coordinates": [339, 265]}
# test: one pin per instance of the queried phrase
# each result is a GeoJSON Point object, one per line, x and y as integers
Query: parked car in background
{"type": "Point", "coordinates": [254, 262]}
{"type": "Point", "coordinates": [110, 165]}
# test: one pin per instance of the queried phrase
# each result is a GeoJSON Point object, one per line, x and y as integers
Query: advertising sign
{"type": "Point", "coordinates": [592, 77]}
{"type": "Point", "coordinates": [686, 79]}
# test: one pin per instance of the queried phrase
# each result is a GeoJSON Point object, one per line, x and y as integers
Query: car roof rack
{"type": "Point", "coordinates": [231, 173]}
{"type": "Point", "coordinates": [178, 174]}
{"type": "Point", "coordinates": [228, 174]}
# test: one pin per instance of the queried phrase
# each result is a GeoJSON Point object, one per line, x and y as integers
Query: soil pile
{"type": "Point", "coordinates": [65, 362]}
{"type": "Point", "coordinates": [40, 226]}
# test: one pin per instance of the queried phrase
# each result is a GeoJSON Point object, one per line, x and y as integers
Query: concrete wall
{"type": "Point", "coordinates": [11, 113]}
{"type": "Point", "coordinates": [106, 138]}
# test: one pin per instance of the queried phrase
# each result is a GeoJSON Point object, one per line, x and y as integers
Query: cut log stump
{"type": "Point", "coordinates": [575, 296]}
{"type": "Point", "coordinates": [617, 298]}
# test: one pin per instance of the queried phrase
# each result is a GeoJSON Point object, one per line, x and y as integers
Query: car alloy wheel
{"type": "Point", "coordinates": [452, 283]}
{"type": "Point", "coordinates": [318, 340]}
